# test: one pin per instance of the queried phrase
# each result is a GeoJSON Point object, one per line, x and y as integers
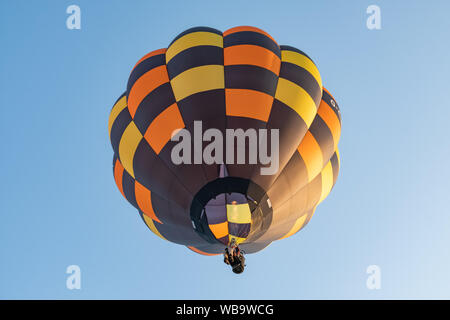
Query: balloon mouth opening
{"type": "Point", "coordinates": [231, 207]}
{"type": "Point", "coordinates": [229, 216]}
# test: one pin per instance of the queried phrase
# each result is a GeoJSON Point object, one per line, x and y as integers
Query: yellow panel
{"type": "Point", "coordinates": [338, 158]}
{"type": "Point", "coordinates": [239, 213]}
{"type": "Point", "coordinates": [327, 181]}
{"type": "Point", "coordinates": [127, 146]}
{"type": "Point", "coordinates": [198, 79]}
{"type": "Point", "coordinates": [200, 38]}
{"type": "Point", "coordinates": [118, 107]}
{"type": "Point", "coordinates": [151, 224]}
{"type": "Point", "coordinates": [236, 239]}
{"type": "Point", "coordinates": [297, 98]}
{"type": "Point", "coordinates": [297, 226]}
{"type": "Point", "coordinates": [302, 61]}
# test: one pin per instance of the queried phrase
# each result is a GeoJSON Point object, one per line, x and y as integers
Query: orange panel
{"type": "Point", "coordinates": [311, 153]}
{"type": "Point", "coordinates": [160, 130]}
{"type": "Point", "coordinates": [219, 230]}
{"type": "Point", "coordinates": [252, 55]}
{"type": "Point", "coordinates": [201, 252]}
{"type": "Point", "coordinates": [248, 103]}
{"type": "Point", "coordinates": [118, 175]}
{"type": "Point", "coordinates": [331, 119]}
{"type": "Point", "coordinates": [144, 85]}
{"type": "Point", "coordinates": [247, 28]}
{"type": "Point", "coordinates": [144, 201]}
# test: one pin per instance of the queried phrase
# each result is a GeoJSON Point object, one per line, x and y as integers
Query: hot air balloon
{"type": "Point", "coordinates": [238, 79]}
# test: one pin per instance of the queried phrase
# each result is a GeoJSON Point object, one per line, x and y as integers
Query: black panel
{"type": "Point", "coordinates": [128, 188]}
{"type": "Point", "coordinates": [152, 105]}
{"type": "Point", "coordinates": [291, 130]}
{"type": "Point", "coordinates": [243, 170]}
{"type": "Point", "coordinates": [251, 37]}
{"type": "Point", "coordinates": [153, 174]}
{"type": "Point", "coordinates": [302, 78]}
{"type": "Point", "coordinates": [335, 166]}
{"type": "Point", "coordinates": [322, 134]}
{"type": "Point", "coordinates": [194, 57]}
{"type": "Point", "coordinates": [251, 77]}
{"type": "Point", "coordinates": [120, 124]}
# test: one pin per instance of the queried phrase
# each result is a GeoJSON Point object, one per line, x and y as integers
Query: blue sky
{"type": "Point", "coordinates": [59, 204]}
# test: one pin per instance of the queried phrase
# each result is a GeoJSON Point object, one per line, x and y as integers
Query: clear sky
{"type": "Point", "coordinates": [59, 204]}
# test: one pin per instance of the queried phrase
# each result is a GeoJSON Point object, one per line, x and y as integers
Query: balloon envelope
{"type": "Point", "coordinates": [240, 79]}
